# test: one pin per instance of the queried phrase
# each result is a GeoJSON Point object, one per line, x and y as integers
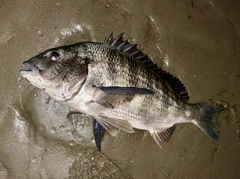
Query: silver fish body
{"type": "Point", "coordinates": [120, 87]}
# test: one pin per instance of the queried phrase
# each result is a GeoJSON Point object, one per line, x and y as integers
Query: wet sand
{"type": "Point", "coordinates": [198, 42]}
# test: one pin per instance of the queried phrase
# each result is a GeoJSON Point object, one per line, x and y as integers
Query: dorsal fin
{"type": "Point", "coordinates": [132, 50]}
{"type": "Point", "coordinates": [109, 40]}
{"type": "Point", "coordinates": [177, 86]}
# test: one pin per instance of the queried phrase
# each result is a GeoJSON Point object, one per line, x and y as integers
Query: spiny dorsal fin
{"type": "Point", "coordinates": [132, 50]}
{"type": "Point", "coordinates": [109, 40]}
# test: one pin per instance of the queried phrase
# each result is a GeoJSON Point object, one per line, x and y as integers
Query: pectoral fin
{"type": "Point", "coordinates": [116, 90]}
{"type": "Point", "coordinates": [113, 125]}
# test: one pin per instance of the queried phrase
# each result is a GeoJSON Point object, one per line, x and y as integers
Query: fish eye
{"type": "Point", "coordinates": [54, 56]}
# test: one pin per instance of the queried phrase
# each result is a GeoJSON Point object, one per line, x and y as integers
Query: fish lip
{"type": "Point", "coordinates": [31, 67]}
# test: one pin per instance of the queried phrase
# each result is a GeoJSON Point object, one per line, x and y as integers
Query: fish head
{"type": "Point", "coordinates": [59, 71]}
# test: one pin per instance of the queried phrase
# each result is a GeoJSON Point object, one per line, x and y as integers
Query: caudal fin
{"type": "Point", "coordinates": [209, 113]}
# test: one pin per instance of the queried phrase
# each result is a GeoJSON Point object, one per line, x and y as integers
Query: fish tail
{"type": "Point", "coordinates": [207, 121]}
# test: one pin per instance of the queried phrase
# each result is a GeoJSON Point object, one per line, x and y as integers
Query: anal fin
{"type": "Point", "coordinates": [163, 136]}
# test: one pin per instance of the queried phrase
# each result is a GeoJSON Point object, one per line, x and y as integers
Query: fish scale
{"type": "Point", "coordinates": [128, 72]}
{"type": "Point", "coordinates": [121, 88]}
{"type": "Point", "coordinates": [126, 77]}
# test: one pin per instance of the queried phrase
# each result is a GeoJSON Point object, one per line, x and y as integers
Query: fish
{"type": "Point", "coordinates": [121, 88]}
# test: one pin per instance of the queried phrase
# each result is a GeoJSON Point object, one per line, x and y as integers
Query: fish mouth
{"type": "Point", "coordinates": [30, 67]}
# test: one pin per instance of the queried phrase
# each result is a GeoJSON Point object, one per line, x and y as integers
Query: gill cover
{"type": "Point", "coordinates": [59, 71]}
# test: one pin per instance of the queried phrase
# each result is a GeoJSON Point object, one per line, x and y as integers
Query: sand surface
{"type": "Point", "coordinates": [196, 41]}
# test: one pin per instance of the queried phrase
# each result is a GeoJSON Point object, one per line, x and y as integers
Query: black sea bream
{"type": "Point", "coordinates": [120, 87]}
